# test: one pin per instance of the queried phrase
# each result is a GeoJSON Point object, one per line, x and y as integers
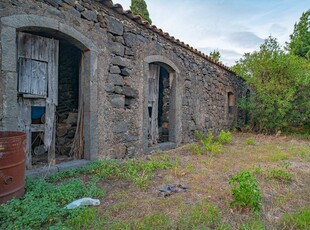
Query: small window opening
{"type": "Point", "coordinates": [231, 102]}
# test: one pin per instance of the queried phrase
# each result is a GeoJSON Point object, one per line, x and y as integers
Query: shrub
{"type": "Point", "coordinates": [245, 190]}
{"type": "Point", "coordinates": [208, 143]}
{"type": "Point", "coordinates": [250, 141]}
{"type": "Point", "coordinates": [224, 137]}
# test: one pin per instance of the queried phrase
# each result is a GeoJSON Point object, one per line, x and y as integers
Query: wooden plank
{"type": "Point", "coordinates": [37, 127]}
{"type": "Point", "coordinates": [24, 73]}
{"type": "Point", "coordinates": [24, 45]}
{"type": "Point", "coordinates": [40, 48]}
{"type": "Point", "coordinates": [38, 102]}
{"type": "Point", "coordinates": [153, 101]}
{"type": "Point", "coordinates": [39, 78]}
{"type": "Point", "coordinates": [26, 120]}
{"type": "Point", "coordinates": [53, 70]}
{"type": "Point", "coordinates": [49, 134]}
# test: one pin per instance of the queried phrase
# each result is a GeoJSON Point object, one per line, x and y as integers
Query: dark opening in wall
{"type": "Point", "coordinates": [159, 104]}
{"type": "Point", "coordinates": [163, 105]}
{"type": "Point", "coordinates": [68, 98]}
{"type": "Point", "coordinates": [231, 102]}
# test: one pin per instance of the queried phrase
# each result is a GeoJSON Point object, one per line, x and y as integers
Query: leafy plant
{"type": "Point", "coordinates": [245, 190]}
{"type": "Point", "coordinates": [209, 143]}
{"type": "Point", "coordinates": [224, 137]}
{"type": "Point", "coordinates": [250, 141]}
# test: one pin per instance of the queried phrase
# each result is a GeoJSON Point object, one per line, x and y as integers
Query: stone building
{"type": "Point", "coordinates": [87, 80]}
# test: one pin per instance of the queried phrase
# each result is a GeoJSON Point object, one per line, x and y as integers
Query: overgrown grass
{"type": "Point", "coordinates": [202, 215]}
{"type": "Point", "coordinates": [296, 220]}
{"type": "Point", "coordinates": [44, 202]}
{"type": "Point", "coordinates": [132, 199]}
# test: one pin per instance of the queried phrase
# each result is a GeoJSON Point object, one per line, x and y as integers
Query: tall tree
{"type": "Point", "coordinates": [300, 39]}
{"type": "Point", "coordinates": [139, 7]}
{"type": "Point", "coordinates": [215, 55]}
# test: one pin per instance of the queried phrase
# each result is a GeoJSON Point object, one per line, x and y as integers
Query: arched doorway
{"type": "Point", "coordinates": [43, 37]}
{"type": "Point", "coordinates": [162, 106]}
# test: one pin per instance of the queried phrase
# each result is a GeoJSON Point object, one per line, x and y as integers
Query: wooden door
{"type": "Point", "coordinates": [38, 86]}
{"type": "Point", "coordinates": [153, 103]}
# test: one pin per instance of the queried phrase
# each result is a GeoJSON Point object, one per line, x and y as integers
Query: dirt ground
{"type": "Point", "coordinates": [207, 179]}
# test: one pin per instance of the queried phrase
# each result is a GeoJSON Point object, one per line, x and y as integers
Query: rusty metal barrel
{"type": "Point", "coordinates": [12, 165]}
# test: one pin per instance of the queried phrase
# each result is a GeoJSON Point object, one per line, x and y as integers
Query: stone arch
{"type": "Point", "coordinates": [175, 102]}
{"type": "Point", "coordinates": [10, 26]}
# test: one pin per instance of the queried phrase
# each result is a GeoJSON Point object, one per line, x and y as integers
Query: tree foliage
{"type": "Point", "coordinates": [139, 7]}
{"type": "Point", "coordinates": [300, 39]}
{"type": "Point", "coordinates": [215, 55]}
{"type": "Point", "coordinates": [280, 83]}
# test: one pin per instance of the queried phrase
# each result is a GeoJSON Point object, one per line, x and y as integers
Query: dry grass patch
{"type": "Point", "coordinates": [281, 166]}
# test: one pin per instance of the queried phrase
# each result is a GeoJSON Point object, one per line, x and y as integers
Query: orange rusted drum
{"type": "Point", "coordinates": [12, 165]}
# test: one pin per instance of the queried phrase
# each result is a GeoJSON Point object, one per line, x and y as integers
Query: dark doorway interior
{"type": "Point", "coordinates": [163, 105]}
{"type": "Point", "coordinates": [68, 99]}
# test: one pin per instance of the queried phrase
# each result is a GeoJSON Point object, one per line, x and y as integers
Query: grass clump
{"type": "Point", "coordinates": [156, 220]}
{"type": "Point", "coordinates": [256, 224]}
{"type": "Point", "coordinates": [43, 204]}
{"type": "Point", "coordinates": [209, 143]}
{"type": "Point", "coordinates": [245, 190]}
{"type": "Point", "coordinates": [279, 175]}
{"type": "Point", "coordinates": [296, 220]}
{"type": "Point", "coordinates": [199, 216]}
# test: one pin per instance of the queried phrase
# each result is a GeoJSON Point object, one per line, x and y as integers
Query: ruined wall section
{"type": "Point", "coordinates": [123, 46]}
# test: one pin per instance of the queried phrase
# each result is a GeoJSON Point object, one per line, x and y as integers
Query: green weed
{"type": "Point", "coordinates": [279, 174]}
{"type": "Point", "coordinates": [224, 137]}
{"type": "Point", "coordinates": [209, 143]}
{"type": "Point", "coordinates": [255, 224]}
{"type": "Point", "coordinates": [245, 190]}
{"type": "Point", "coordinates": [250, 141]}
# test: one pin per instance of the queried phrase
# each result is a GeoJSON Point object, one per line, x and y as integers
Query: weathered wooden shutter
{"type": "Point", "coordinates": [153, 102]}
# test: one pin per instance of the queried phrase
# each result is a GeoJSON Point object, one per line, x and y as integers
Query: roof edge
{"type": "Point", "coordinates": [118, 8]}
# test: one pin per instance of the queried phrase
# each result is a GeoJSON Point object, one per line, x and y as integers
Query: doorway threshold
{"type": "Point", "coordinates": [48, 170]}
{"type": "Point", "coordinates": [162, 146]}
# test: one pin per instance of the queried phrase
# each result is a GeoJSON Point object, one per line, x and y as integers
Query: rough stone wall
{"type": "Point", "coordinates": [123, 46]}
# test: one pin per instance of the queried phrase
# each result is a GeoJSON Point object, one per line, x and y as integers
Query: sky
{"type": "Point", "coordinates": [233, 27]}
